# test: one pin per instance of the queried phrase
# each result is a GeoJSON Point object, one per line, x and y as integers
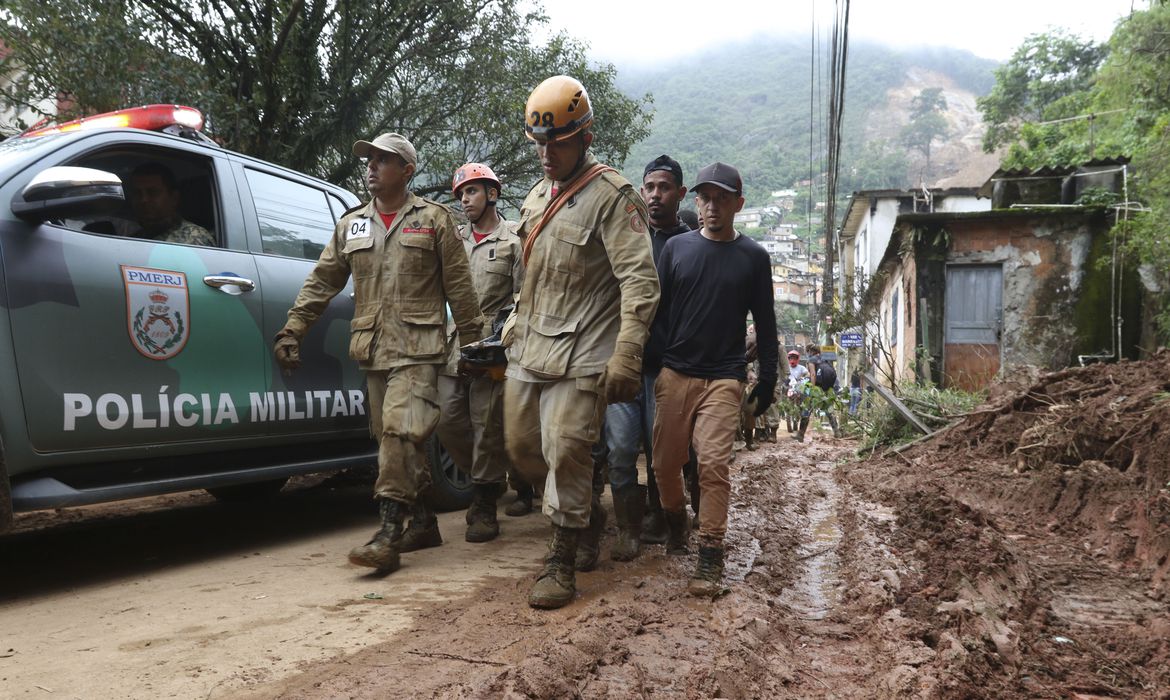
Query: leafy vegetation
{"type": "Point", "coordinates": [880, 425]}
{"type": "Point", "coordinates": [748, 105]}
{"type": "Point", "coordinates": [1110, 101]}
{"type": "Point", "coordinates": [927, 124]}
{"type": "Point", "coordinates": [298, 81]}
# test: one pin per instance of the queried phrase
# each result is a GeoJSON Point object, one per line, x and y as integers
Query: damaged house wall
{"type": "Point", "coordinates": [1057, 280]}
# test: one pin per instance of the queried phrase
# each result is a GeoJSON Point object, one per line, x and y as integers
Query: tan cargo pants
{"type": "Point", "coordinates": [471, 426]}
{"type": "Point", "coordinates": [707, 413]}
{"type": "Point", "coordinates": [404, 410]}
{"type": "Point", "coordinates": [550, 428]}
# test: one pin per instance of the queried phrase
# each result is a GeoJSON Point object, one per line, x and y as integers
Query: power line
{"type": "Point", "coordinates": [840, 55]}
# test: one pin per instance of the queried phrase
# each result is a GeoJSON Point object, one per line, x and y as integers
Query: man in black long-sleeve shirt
{"type": "Point", "coordinates": [710, 280]}
{"type": "Point", "coordinates": [628, 426]}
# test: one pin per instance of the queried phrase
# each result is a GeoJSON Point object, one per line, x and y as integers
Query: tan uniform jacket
{"type": "Point", "coordinates": [402, 277]}
{"type": "Point", "coordinates": [589, 282]}
{"type": "Point", "coordinates": [497, 269]}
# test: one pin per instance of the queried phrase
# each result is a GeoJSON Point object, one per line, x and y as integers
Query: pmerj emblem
{"type": "Point", "coordinates": [158, 311]}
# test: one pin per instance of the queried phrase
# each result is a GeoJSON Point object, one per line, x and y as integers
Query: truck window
{"type": "Point", "coordinates": [170, 197]}
{"type": "Point", "coordinates": [295, 219]}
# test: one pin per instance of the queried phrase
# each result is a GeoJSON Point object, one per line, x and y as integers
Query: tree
{"type": "Point", "coordinates": [1132, 79]}
{"type": "Point", "coordinates": [1041, 81]}
{"type": "Point", "coordinates": [297, 81]}
{"type": "Point", "coordinates": [926, 121]}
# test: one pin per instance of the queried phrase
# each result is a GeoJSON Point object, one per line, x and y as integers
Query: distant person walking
{"type": "Point", "coordinates": [825, 379]}
{"type": "Point", "coordinates": [711, 279]}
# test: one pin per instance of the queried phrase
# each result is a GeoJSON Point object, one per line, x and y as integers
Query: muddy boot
{"type": "Point", "coordinates": [423, 530]}
{"type": "Point", "coordinates": [482, 525]}
{"type": "Point", "coordinates": [678, 525]}
{"type": "Point", "coordinates": [799, 437]}
{"type": "Point", "coordinates": [556, 584]}
{"type": "Point", "coordinates": [654, 523]}
{"type": "Point", "coordinates": [589, 546]}
{"type": "Point", "coordinates": [707, 580]}
{"type": "Point", "coordinates": [836, 427]}
{"type": "Point", "coordinates": [628, 504]}
{"type": "Point", "coordinates": [523, 504]}
{"type": "Point", "coordinates": [381, 552]}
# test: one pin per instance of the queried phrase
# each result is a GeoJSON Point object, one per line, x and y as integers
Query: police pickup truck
{"type": "Point", "coordinates": [132, 366]}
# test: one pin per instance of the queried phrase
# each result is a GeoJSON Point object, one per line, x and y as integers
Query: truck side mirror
{"type": "Point", "coordinates": [63, 192]}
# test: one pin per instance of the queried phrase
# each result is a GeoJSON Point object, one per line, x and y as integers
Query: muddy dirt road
{"type": "Point", "coordinates": [903, 576]}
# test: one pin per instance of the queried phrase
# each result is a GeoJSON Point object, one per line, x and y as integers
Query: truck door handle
{"type": "Point", "coordinates": [229, 283]}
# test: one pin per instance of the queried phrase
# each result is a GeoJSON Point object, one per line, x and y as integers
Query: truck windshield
{"type": "Point", "coordinates": [17, 148]}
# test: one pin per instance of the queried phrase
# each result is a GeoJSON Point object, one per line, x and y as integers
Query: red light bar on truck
{"type": "Point", "coordinates": [150, 117]}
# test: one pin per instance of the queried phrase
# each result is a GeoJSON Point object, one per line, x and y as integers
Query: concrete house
{"type": "Point", "coordinates": [1036, 280]}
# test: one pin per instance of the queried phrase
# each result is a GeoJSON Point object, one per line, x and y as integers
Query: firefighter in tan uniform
{"type": "Point", "coordinates": [471, 425]}
{"type": "Point", "coordinates": [406, 261]}
{"type": "Point", "coordinates": [589, 294]}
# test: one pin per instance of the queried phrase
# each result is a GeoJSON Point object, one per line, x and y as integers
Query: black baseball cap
{"type": "Point", "coordinates": [665, 163]}
{"type": "Point", "coordinates": [721, 175]}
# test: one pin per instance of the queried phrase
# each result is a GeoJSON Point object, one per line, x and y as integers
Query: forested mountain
{"type": "Point", "coordinates": [749, 105]}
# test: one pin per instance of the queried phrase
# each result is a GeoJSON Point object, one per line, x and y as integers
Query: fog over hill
{"type": "Point", "coordinates": [749, 105]}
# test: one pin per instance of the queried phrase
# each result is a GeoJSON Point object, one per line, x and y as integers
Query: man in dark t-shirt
{"type": "Point", "coordinates": [711, 279]}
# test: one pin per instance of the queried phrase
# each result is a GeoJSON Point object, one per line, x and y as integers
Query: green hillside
{"type": "Point", "coordinates": [748, 105]}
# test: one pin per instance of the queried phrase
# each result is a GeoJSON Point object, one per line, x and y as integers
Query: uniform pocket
{"type": "Point", "coordinates": [422, 415]}
{"type": "Point", "coordinates": [567, 254]}
{"type": "Point", "coordinates": [363, 262]}
{"type": "Point", "coordinates": [548, 346]}
{"type": "Point", "coordinates": [361, 337]}
{"type": "Point", "coordinates": [423, 331]}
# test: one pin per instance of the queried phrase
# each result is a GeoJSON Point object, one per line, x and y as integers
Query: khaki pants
{"type": "Point", "coordinates": [550, 428]}
{"type": "Point", "coordinates": [471, 426]}
{"type": "Point", "coordinates": [404, 410]}
{"type": "Point", "coordinates": [705, 412]}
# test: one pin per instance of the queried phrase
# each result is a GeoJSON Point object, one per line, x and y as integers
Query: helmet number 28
{"type": "Point", "coordinates": [545, 119]}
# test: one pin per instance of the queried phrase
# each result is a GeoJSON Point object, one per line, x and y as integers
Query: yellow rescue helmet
{"type": "Point", "coordinates": [557, 109]}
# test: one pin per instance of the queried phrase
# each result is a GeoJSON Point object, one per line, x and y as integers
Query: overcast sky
{"type": "Point", "coordinates": [626, 33]}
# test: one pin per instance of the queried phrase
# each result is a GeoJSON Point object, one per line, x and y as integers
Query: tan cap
{"type": "Point", "coordinates": [389, 142]}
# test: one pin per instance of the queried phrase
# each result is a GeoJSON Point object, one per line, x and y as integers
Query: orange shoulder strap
{"type": "Point", "coordinates": [588, 176]}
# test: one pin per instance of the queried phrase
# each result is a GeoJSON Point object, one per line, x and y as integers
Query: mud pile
{"type": "Point", "coordinates": [1034, 535]}
{"type": "Point", "coordinates": [1087, 452]}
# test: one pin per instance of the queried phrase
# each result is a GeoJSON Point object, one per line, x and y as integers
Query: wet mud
{"type": "Point", "coordinates": [951, 569]}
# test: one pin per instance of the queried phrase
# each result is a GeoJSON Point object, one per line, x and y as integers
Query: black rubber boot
{"type": "Point", "coordinates": [482, 525]}
{"type": "Point", "coordinates": [381, 552]}
{"type": "Point", "coordinates": [679, 526]}
{"type": "Point", "coordinates": [628, 504]}
{"type": "Point", "coordinates": [589, 543]}
{"type": "Point", "coordinates": [523, 504]}
{"type": "Point", "coordinates": [556, 584]}
{"type": "Point", "coordinates": [654, 523]}
{"type": "Point", "coordinates": [423, 531]}
{"type": "Point", "coordinates": [707, 580]}
{"type": "Point", "coordinates": [799, 437]}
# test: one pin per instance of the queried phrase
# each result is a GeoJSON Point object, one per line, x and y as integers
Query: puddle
{"type": "Point", "coordinates": [817, 590]}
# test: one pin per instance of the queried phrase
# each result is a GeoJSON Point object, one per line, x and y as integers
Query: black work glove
{"type": "Point", "coordinates": [762, 396]}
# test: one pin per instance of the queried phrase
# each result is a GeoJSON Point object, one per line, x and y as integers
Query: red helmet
{"type": "Point", "coordinates": [793, 353]}
{"type": "Point", "coordinates": [473, 171]}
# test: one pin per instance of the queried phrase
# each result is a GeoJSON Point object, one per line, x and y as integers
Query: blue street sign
{"type": "Point", "coordinates": [850, 340]}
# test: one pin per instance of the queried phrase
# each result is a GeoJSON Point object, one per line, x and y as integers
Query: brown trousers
{"type": "Point", "coordinates": [471, 426]}
{"type": "Point", "coordinates": [404, 410]}
{"type": "Point", "coordinates": [550, 429]}
{"type": "Point", "coordinates": [705, 412]}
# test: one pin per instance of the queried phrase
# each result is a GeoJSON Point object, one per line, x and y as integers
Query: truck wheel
{"type": "Point", "coordinates": [450, 486]}
{"type": "Point", "coordinates": [254, 491]}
